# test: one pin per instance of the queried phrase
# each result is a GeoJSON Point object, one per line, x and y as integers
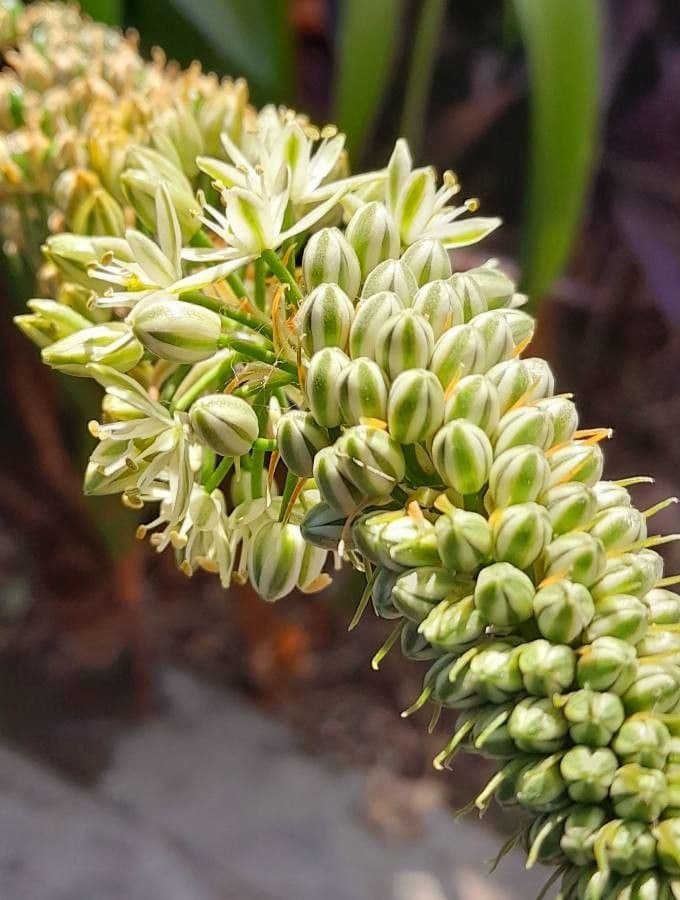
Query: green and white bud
{"type": "Point", "coordinates": [415, 408]}
{"type": "Point", "coordinates": [140, 188]}
{"type": "Point", "coordinates": [536, 726]}
{"type": "Point", "coordinates": [274, 560]}
{"type": "Point", "coordinates": [660, 641]}
{"type": "Point", "coordinates": [607, 664]}
{"type": "Point", "coordinates": [593, 717]}
{"type": "Point", "coordinates": [439, 304]}
{"type": "Point", "coordinates": [462, 456]}
{"type": "Point", "coordinates": [540, 786]}
{"type": "Point", "coordinates": [311, 578]}
{"type": "Point", "coordinates": [576, 461]}
{"type": "Point", "coordinates": [175, 330]}
{"type": "Point", "coordinates": [463, 540]}
{"type": "Point", "coordinates": [563, 610]}
{"type": "Point", "coordinates": [626, 847]}
{"type": "Point", "coordinates": [495, 671]}
{"type": "Point", "coordinates": [428, 260]}
{"type": "Point", "coordinates": [459, 351]}
{"type": "Point", "coordinates": [325, 319]}
{"type": "Point", "coordinates": [497, 335]}
{"type": "Point", "coordinates": [113, 345]}
{"type": "Point", "coordinates": [226, 424]}
{"type": "Point", "coordinates": [618, 527]}
{"type": "Point", "coordinates": [643, 739]}
{"type": "Point", "coordinates": [663, 605]}
{"type": "Point", "coordinates": [362, 391]}
{"type": "Point", "coordinates": [589, 773]}
{"type": "Point", "coordinates": [608, 493]}
{"type": "Point", "coordinates": [523, 425]}
{"type": "Point", "coordinates": [417, 591]}
{"type": "Point", "coordinates": [374, 235]}
{"type": "Point", "coordinates": [488, 736]}
{"type": "Point", "coordinates": [618, 615]}
{"type": "Point", "coordinates": [398, 541]}
{"type": "Point", "coordinates": [369, 316]}
{"type": "Point", "coordinates": [391, 275]}
{"type": "Point", "coordinates": [520, 533]}
{"type": "Point", "coordinates": [404, 341]}
{"type": "Point", "coordinates": [512, 380]}
{"type": "Point", "coordinates": [321, 386]}
{"type": "Point", "coordinates": [367, 535]}
{"type": "Point", "coordinates": [655, 689]}
{"type": "Point", "coordinates": [504, 595]}
{"type": "Point", "coordinates": [299, 437]}
{"type": "Point", "coordinates": [563, 415]}
{"type": "Point", "coordinates": [414, 204]}
{"type": "Point", "coordinates": [518, 475]}
{"type": "Point", "coordinates": [581, 828]}
{"type": "Point", "coordinates": [453, 624]}
{"type": "Point", "coordinates": [470, 295]}
{"type": "Point", "coordinates": [629, 573]}
{"type": "Point", "coordinates": [371, 460]}
{"type": "Point", "coordinates": [474, 398]}
{"type": "Point", "coordinates": [522, 325]}
{"type": "Point", "coordinates": [494, 286]}
{"type": "Point", "coordinates": [570, 505]}
{"type": "Point", "coordinates": [577, 555]}
{"type": "Point", "coordinates": [329, 258]}
{"type": "Point", "coordinates": [50, 321]}
{"type": "Point", "coordinates": [323, 526]}
{"type": "Point", "coordinates": [335, 488]}
{"type": "Point", "coordinates": [547, 668]}
{"type": "Point", "coordinates": [638, 793]}
{"type": "Point", "coordinates": [381, 595]}
{"type": "Point", "coordinates": [541, 379]}
{"type": "Point", "coordinates": [667, 835]}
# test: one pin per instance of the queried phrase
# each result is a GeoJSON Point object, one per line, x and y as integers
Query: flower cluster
{"type": "Point", "coordinates": [259, 316]}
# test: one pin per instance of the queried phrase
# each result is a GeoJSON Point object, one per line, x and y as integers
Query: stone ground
{"type": "Point", "coordinates": [211, 800]}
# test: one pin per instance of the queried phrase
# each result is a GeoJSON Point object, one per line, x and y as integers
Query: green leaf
{"type": "Point", "coordinates": [419, 83]}
{"type": "Point", "coordinates": [563, 46]}
{"type": "Point", "coordinates": [366, 42]}
{"type": "Point", "coordinates": [108, 11]}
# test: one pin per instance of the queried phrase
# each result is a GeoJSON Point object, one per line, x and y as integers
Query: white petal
{"type": "Point", "coordinates": [211, 275]}
{"type": "Point", "coordinates": [125, 388]}
{"type": "Point", "coordinates": [169, 233]}
{"type": "Point", "coordinates": [469, 231]}
{"type": "Point", "coordinates": [156, 267]}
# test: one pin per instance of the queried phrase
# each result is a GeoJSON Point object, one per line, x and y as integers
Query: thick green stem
{"type": "Point", "coordinates": [256, 490]}
{"type": "Point", "coordinates": [213, 378]}
{"type": "Point", "coordinates": [219, 474]}
{"type": "Point", "coordinates": [252, 351]}
{"type": "Point", "coordinates": [237, 286]}
{"type": "Point", "coordinates": [260, 285]}
{"type": "Point", "coordinates": [277, 266]}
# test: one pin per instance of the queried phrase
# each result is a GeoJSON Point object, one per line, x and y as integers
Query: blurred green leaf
{"type": "Point", "coordinates": [562, 40]}
{"type": "Point", "coordinates": [367, 38]}
{"type": "Point", "coordinates": [108, 11]}
{"type": "Point", "coordinates": [253, 39]}
{"type": "Point", "coordinates": [419, 82]}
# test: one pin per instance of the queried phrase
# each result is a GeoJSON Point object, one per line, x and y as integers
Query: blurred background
{"type": "Point", "coordinates": [230, 749]}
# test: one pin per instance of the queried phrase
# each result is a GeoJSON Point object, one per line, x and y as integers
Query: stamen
{"type": "Point", "coordinates": [387, 646]}
{"type": "Point", "coordinates": [663, 504]}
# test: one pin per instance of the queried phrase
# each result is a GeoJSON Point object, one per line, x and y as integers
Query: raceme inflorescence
{"type": "Point", "coordinates": [258, 316]}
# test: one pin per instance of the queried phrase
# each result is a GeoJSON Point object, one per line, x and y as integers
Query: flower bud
{"type": "Point", "coordinates": [594, 884]}
{"type": "Point", "coordinates": [310, 578]}
{"type": "Point", "coordinates": [608, 493]}
{"type": "Point", "coordinates": [607, 664]}
{"type": "Point", "coordinates": [547, 668]}
{"type": "Point", "coordinates": [381, 595]}
{"type": "Point", "coordinates": [453, 624]}
{"type": "Point", "coordinates": [177, 136]}
{"type": "Point", "coordinates": [274, 559]}
{"type": "Point", "coordinates": [576, 461]}
{"type": "Point", "coordinates": [495, 287]}
{"type": "Point", "coordinates": [452, 685]}
{"type": "Point", "coordinates": [497, 335]}
{"type": "Point", "coordinates": [417, 591]}
{"type": "Point", "coordinates": [523, 425]}
{"type": "Point", "coordinates": [321, 389]}
{"type": "Point", "coordinates": [657, 642]}
{"type": "Point", "coordinates": [474, 398]}
{"type": "Point", "coordinates": [335, 488]}
{"type": "Point", "coordinates": [367, 535]}
{"type": "Point", "coordinates": [299, 438]}
{"type": "Point", "coordinates": [626, 847]}
{"type": "Point", "coordinates": [404, 341]}
{"type": "Point", "coordinates": [324, 319]}
{"type": "Point", "coordinates": [512, 381]}
{"type": "Point", "coordinates": [541, 379]}
{"type": "Point", "coordinates": [463, 540]}
{"type": "Point", "coordinates": [643, 739]}
{"type": "Point", "coordinates": [371, 460]}
{"type": "Point", "coordinates": [577, 556]}
{"type": "Point", "coordinates": [593, 717]}
{"type": "Point", "coordinates": [226, 424]}
{"type": "Point", "coordinates": [362, 391]}
{"type": "Point", "coordinates": [438, 303]}
{"type": "Point", "coordinates": [428, 260]}
{"type": "Point", "coordinates": [322, 526]}
{"type": "Point", "coordinates": [667, 835]}
{"type": "Point", "coordinates": [562, 611]}
{"type": "Point", "coordinates": [415, 408]}
{"type": "Point", "coordinates": [413, 644]}
{"type": "Point", "coordinates": [588, 772]}
{"type": "Point", "coordinates": [489, 737]}
{"type": "Point", "coordinates": [656, 688]}
{"type": "Point", "coordinates": [563, 416]}
{"type": "Point", "coordinates": [518, 475]}
{"type": "Point", "coordinates": [620, 616]}
{"type": "Point", "coordinates": [140, 188]}
{"type": "Point", "coordinates": [495, 671]}
{"type": "Point", "coordinates": [570, 505]}
{"type": "Point", "coordinates": [50, 321]}
{"type": "Point", "coordinates": [410, 543]}
{"type": "Point", "coordinates": [391, 275]}
{"type": "Point", "coordinates": [618, 527]}
{"type": "Point", "coordinates": [329, 258]}
{"type": "Point", "coordinates": [638, 793]}
{"type": "Point", "coordinates": [74, 254]}
{"type": "Point", "coordinates": [663, 605]}
{"type": "Point", "coordinates": [580, 831]}
{"type": "Point", "coordinates": [175, 330]}
{"type": "Point", "coordinates": [629, 573]}
{"type": "Point", "coordinates": [536, 726]}
{"type": "Point", "coordinates": [113, 345]}
{"type": "Point", "coordinates": [462, 456]}
{"type": "Point", "coordinates": [470, 296]}
{"type": "Point", "coordinates": [373, 234]}
{"type": "Point", "coordinates": [459, 351]}
{"type": "Point", "coordinates": [504, 595]}
{"type": "Point", "coordinates": [370, 314]}
{"type": "Point", "coordinates": [520, 533]}
{"type": "Point", "coordinates": [522, 325]}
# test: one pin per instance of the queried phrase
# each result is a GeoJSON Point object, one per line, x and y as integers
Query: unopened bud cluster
{"type": "Point", "coordinates": [295, 370]}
